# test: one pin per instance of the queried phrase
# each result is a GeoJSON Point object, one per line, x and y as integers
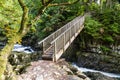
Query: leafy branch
{"type": "Point", "coordinates": [63, 4]}
{"type": "Point", "coordinates": [49, 4]}
{"type": "Point", "coordinates": [24, 17]}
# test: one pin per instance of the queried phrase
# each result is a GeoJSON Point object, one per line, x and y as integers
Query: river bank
{"type": "Point", "coordinates": [31, 70]}
{"type": "Point", "coordinates": [30, 66]}
{"type": "Point", "coordinates": [102, 62]}
{"type": "Point", "coordinates": [21, 61]}
{"type": "Point", "coordinates": [95, 74]}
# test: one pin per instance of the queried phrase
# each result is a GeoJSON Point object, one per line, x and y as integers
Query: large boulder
{"type": "Point", "coordinates": [48, 70]}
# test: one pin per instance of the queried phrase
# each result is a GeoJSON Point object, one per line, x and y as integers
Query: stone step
{"type": "Point", "coordinates": [47, 56]}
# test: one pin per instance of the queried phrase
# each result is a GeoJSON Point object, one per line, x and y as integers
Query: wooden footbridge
{"type": "Point", "coordinates": [55, 44]}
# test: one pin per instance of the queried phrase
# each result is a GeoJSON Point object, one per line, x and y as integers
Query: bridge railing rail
{"type": "Point", "coordinates": [62, 42]}
{"type": "Point", "coordinates": [46, 42]}
{"type": "Point", "coordinates": [60, 38]}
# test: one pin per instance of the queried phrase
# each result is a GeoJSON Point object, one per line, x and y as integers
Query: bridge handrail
{"type": "Point", "coordinates": [58, 30]}
{"type": "Point", "coordinates": [64, 32]}
{"type": "Point", "coordinates": [62, 35]}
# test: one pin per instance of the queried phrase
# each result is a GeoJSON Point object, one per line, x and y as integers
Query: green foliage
{"type": "Point", "coordinates": [10, 13]}
{"type": "Point", "coordinates": [108, 21]}
{"type": "Point", "coordinates": [94, 6]}
{"type": "Point", "coordinates": [104, 49]}
{"type": "Point", "coordinates": [45, 25]}
{"type": "Point", "coordinates": [92, 27]}
{"type": "Point", "coordinates": [55, 17]}
{"type": "Point", "coordinates": [101, 28]}
{"type": "Point", "coordinates": [10, 17]}
{"type": "Point", "coordinates": [108, 38]}
{"type": "Point", "coordinates": [33, 6]}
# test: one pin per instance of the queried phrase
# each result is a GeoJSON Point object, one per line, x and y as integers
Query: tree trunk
{"type": "Point", "coordinates": [24, 28]}
{"type": "Point", "coordinates": [4, 53]}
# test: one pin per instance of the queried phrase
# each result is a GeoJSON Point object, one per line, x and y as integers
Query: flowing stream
{"type": "Point", "coordinates": [20, 48]}
{"type": "Point", "coordinates": [91, 70]}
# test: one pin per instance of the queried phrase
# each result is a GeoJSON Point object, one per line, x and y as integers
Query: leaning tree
{"type": "Point", "coordinates": [16, 19]}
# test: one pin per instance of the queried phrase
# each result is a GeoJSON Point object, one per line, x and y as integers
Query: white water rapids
{"type": "Point", "coordinates": [91, 70]}
{"type": "Point", "coordinates": [21, 48]}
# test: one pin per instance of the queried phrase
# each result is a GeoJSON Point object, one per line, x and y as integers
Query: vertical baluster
{"type": "Point", "coordinates": [54, 54]}
{"type": "Point", "coordinates": [70, 34]}
{"type": "Point", "coordinates": [64, 42]}
{"type": "Point", "coordinates": [74, 30]}
{"type": "Point", "coordinates": [43, 47]}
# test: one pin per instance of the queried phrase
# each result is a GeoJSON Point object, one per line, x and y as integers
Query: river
{"type": "Point", "coordinates": [20, 48]}
{"type": "Point", "coordinates": [91, 70]}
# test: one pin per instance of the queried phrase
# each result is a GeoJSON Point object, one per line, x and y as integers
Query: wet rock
{"type": "Point", "coordinates": [20, 61]}
{"type": "Point", "coordinates": [74, 77]}
{"type": "Point", "coordinates": [81, 75]}
{"type": "Point", "coordinates": [67, 70]}
{"type": "Point", "coordinates": [74, 71]}
{"type": "Point", "coordinates": [108, 63]}
{"type": "Point", "coordinates": [98, 76]}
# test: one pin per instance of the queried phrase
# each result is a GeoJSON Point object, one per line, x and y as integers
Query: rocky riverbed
{"type": "Point", "coordinates": [48, 70]}
{"type": "Point", "coordinates": [106, 62]}
{"type": "Point", "coordinates": [97, 75]}
{"type": "Point", "coordinates": [32, 67]}
{"type": "Point", "coordinates": [102, 62]}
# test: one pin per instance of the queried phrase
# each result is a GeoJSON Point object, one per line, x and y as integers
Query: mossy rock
{"type": "Point", "coordinates": [20, 61]}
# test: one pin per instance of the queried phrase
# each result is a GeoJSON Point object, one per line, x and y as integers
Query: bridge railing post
{"type": "Point", "coordinates": [63, 42]}
{"type": "Point", "coordinates": [54, 54]}
{"type": "Point", "coordinates": [43, 46]}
